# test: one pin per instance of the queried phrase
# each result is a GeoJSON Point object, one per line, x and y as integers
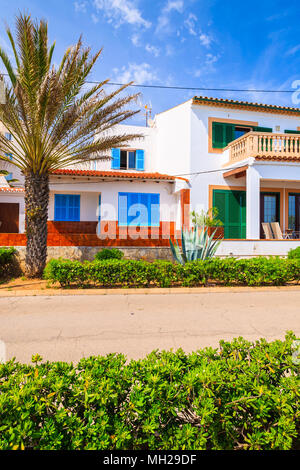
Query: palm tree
{"type": "Point", "coordinates": [53, 116]}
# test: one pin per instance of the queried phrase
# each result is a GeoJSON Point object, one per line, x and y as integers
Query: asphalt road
{"type": "Point", "coordinates": [67, 328]}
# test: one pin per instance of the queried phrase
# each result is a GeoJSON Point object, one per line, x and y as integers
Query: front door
{"type": "Point", "coordinates": [9, 217]}
{"type": "Point", "coordinates": [269, 209]}
{"type": "Point", "coordinates": [231, 206]}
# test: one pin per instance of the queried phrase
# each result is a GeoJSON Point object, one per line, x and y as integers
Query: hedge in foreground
{"type": "Point", "coordinates": [243, 396]}
{"type": "Point", "coordinates": [129, 273]}
{"type": "Point", "coordinates": [7, 261]}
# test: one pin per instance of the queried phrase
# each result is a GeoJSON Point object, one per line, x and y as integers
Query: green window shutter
{"type": "Point", "coordinates": [219, 201]}
{"type": "Point", "coordinates": [218, 135]}
{"type": "Point", "coordinates": [222, 134]}
{"type": "Point", "coordinates": [262, 129]}
{"type": "Point", "coordinates": [287, 131]}
{"type": "Point", "coordinates": [231, 207]}
{"type": "Point", "coordinates": [229, 133]}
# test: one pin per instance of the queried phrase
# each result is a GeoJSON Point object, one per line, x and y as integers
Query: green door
{"type": "Point", "coordinates": [231, 207]}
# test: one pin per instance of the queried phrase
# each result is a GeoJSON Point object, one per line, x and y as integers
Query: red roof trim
{"type": "Point", "coordinates": [116, 174]}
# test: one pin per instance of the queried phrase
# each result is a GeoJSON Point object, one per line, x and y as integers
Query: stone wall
{"type": "Point", "coordinates": [82, 253]}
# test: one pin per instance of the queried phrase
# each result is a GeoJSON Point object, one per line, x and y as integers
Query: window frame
{"type": "Point", "coordinates": [56, 207]}
{"type": "Point", "coordinates": [128, 151]}
{"type": "Point", "coordinates": [150, 222]}
{"type": "Point", "coordinates": [237, 123]}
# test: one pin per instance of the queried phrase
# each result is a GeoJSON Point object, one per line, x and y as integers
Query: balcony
{"type": "Point", "coordinates": [265, 146]}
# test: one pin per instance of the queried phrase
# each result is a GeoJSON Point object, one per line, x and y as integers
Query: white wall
{"type": "Point", "coordinates": [172, 153]}
{"type": "Point", "coordinates": [145, 142]}
{"type": "Point", "coordinates": [252, 248]}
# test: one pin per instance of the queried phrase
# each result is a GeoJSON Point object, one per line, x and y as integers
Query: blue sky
{"type": "Point", "coordinates": [193, 43]}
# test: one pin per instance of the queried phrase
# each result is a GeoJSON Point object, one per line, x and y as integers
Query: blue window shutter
{"type": "Point", "coordinates": [154, 210]}
{"type": "Point", "coordinates": [140, 159]}
{"type": "Point", "coordinates": [133, 209]}
{"type": "Point", "coordinates": [9, 177]}
{"type": "Point", "coordinates": [123, 203]}
{"type": "Point", "coordinates": [116, 156]}
{"type": "Point", "coordinates": [131, 160]}
{"type": "Point", "coordinates": [139, 209]}
{"type": "Point", "coordinates": [145, 212]}
{"type": "Point", "coordinates": [67, 207]}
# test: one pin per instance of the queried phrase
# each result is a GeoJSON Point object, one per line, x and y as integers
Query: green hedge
{"type": "Point", "coordinates": [7, 261]}
{"type": "Point", "coordinates": [294, 254]}
{"type": "Point", "coordinates": [243, 396]}
{"type": "Point", "coordinates": [109, 253]}
{"type": "Point", "coordinates": [128, 273]}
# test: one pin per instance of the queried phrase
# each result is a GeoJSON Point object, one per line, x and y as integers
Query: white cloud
{"type": "Point", "coordinates": [205, 39]}
{"type": "Point", "coordinates": [293, 50]}
{"type": "Point", "coordinates": [190, 24]}
{"type": "Point", "coordinates": [135, 39]}
{"type": "Point", "coordinates": [211, 59]}
{"type": "Point", "coordinates": [80, 6]}
{"type": "Point", "coordinates": [208, 66]}
{"type": "Point", "coordinates": [169, 50]}
{"type": "Point", "coordinates": [95, 18]}
{"type": "Point", "coordinates": [174, 5]}
{"type": "Point", "coordinates": [163, 22]}
{"type": "Point", "coordinates": [121, 11]}
{"type": "Point", "coordinates": [152, 50]}
{"type": "Point", "coordinates": [139, 73]}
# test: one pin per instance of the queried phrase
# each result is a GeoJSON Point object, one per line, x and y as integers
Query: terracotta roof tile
{"type": "Point", "coordinates": [270, 108]}
{"type": "Point", "coordinates": [117, 174]}
{"type": "Point", "coordinates": [6, 189]}
{"type": "Point", "coordinates": [278, 158]}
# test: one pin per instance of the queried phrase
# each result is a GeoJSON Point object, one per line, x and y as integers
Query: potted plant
{"type": "Point", "coordinates": [208, 219]}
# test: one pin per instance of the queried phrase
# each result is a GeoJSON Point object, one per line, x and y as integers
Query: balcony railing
{"type": "Point", "coordinates": [254, 144]}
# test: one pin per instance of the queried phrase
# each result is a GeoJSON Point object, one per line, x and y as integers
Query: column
{"type": "Point", "coordinates": [252, 203]}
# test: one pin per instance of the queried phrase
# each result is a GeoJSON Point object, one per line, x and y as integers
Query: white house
{"type": "Point", "coordinates": [243, 158]}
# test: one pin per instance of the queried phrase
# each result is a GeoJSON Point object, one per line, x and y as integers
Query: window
{"type": "Point", "coordinates": [139, 209]}
{"type": "Point", "coordinates": [287, 131]}
{"type": "Point", "coordinates": [239, 131]}
{"type": "Point", "coordinates": [67, 207]}
{"type": "Point", "coordinates": [9, 155]}
{"type": "Point", "coordinates": [127, 159]}
{"type": "Point", "coordinates": [8, 136]}
{"type": "Point", "coordinates": [9, 177]}
{"type": "Point", "coordinates": [224, 133]}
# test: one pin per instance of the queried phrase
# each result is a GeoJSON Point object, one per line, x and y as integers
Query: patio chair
{"type": "Point", "coordinates": [276, 231]}
{"type": "Point", "coordinates": [267, 230]}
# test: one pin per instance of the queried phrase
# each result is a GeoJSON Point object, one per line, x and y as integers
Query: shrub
{"type": "Point", "coordinates": [129, 273]}
{"type": "Point", "coordinates": [109, 253]}
{"type": "Point", "coordinates": [7, 261]}
{"type": "Point", "coordinates": [294, 254]}
{"type": "Point", "coordinates": [243, 396]}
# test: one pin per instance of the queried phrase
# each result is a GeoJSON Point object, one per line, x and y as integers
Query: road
{"type": "Point", "coordinates": [67, 328]}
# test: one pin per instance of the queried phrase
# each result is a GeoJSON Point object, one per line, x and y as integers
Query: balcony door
{"type": "Point", "coordinates": [269, 209]}
{"type": "Point", "coordinates": [231, 206]}
{"type": "Point", "coordinates": [294, 212]}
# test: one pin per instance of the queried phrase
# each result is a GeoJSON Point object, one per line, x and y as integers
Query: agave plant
{"type": "Point", "coordinates": [196, 245]}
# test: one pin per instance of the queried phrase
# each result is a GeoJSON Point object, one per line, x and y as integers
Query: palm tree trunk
{"type": "Point", "coordinates": [36, 206]}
